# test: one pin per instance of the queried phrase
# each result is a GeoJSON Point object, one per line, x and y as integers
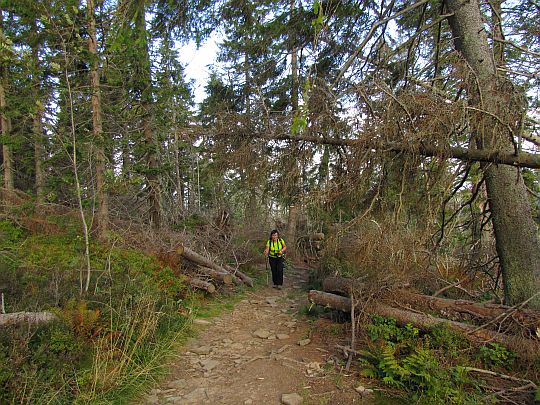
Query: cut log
{"type": "Point", "coordinates": [202, 285]}
{"type": "Point", "coordinates": [221, 276]}
{"type": "Point", "coordinates": [527, 348]}
{"type": "Point", "coordinates": [246, 279]}
{"type": "Point", "coordinates": [26, 317]}
{"type": "Point", "coordinates": [330, 300]}
{"type": "Point", "coordinates": [526, 319]}
{"type": "Point", "coordinates": [203, 261]}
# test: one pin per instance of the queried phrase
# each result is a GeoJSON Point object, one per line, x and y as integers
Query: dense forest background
{"type": "Point", "coordinates": [406, 132]}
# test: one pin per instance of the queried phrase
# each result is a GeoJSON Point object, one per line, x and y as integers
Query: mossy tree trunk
{"type": "Point", "coordinates": [496, 108]}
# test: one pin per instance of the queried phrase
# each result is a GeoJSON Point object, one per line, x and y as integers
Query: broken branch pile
{"type": "Point", "coordinates": [489, 317]}
{"type": "Point", "coordinates": [209, 269]}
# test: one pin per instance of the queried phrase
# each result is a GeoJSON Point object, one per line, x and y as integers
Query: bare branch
{"type": "Point", "coordinates": [374, 27]}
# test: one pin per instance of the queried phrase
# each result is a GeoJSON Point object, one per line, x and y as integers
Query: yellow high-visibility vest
{"type": "Point", "coordinates": [274, 247]}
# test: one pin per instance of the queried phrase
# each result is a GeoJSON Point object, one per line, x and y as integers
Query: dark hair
{"type": "Point", "coordinates": [273, 232]}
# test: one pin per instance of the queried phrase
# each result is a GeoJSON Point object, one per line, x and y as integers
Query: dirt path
{"type": "Point", "coordinates": [256, 354]}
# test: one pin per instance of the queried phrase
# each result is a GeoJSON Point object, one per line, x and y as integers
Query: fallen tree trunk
{"type": "Point", "coordinates": [528, 319]}
{"type": "Point", "coordinates": [26, 317]}
{"type": "Point", "coordinates": [525, 347]}
{"type": "Point", "coordinates": [223, 277]}
{"type": "Point", "coordinates": [341, 285]}
{"type": "Point", "coordinates": [245, 278]}
{"type": "Point", "coordinates": [203, 261]}
{"type": "Point", "coordinates": [202, 285]}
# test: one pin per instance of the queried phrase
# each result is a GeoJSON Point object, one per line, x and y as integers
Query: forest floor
{"type": "Point", "coordinates": [261, 351]}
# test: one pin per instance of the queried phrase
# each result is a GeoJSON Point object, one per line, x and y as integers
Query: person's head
{"type": "Point", "coordinates": [274, 235]}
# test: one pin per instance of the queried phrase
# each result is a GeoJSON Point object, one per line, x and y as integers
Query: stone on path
{"type": "Point", "coordinates": [178, 384]}
{"type": "Point", "coordinates": [202, 350]}
{"type": "Point", "coordinates": [237, 346]}
{"type": "Point", "coordinates": [282, 336]}
{"type": "Point", "coordinates": [262, 333]}
{"type": "Point", "coordinates": [208, 364]}
{"type": "Point", "coordinates": [291, 399]}
{"type": "Point", "coordinates": [196, 396]}
{"type": "Point", "coordinates": [304, 342]}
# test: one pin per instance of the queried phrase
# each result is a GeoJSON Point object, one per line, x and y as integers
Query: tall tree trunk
{"type": "Point", "coordinates": [37, 122]}
{"type": "Point", "coordinates": [496, 103]}
{"type": "Point", "coordinates": [178, 172]}
{"type": "Point", "coordinates": [37, 132]}
{"type": "Point", "coordinates": [102, 199]}
{"type": "Point", "coordinates": [151, 146]}
{"type": "Point", "coordinates": [293, 207]}
{"type": "Point", "coordinates": [9, 182]}
{"type": "Point", "coordinates": [294, 60]}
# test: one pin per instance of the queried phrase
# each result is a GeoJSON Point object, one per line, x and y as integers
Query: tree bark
{"type": "Point", "coordinates": [294, 58]}
{"type": "Point", "coordinates": [494, 125]}
{"type": "Point", "coordinates": [223, 277]}
{"type": "Point", "coordinates": [291, 230]}
{"type": "Point", "coordinates": [202, 285]}
{"type": "Point", "coordinates": [246, 279]}
{"type": "Point", "coordinates": [26, 317]}
{"type": "Point", "coordinates": [527, 320]}
{"type": "Point", "coordinates": [9, 181]}
{"type": "Point", "coordinates": [341, 285]}
{"type": "Point", "coordinates": [37, 123]}
{"type": "Point", "coordinates": [151, 146]}
{"type": "Point", "coordinates": [102, 198]}
{"type": "Point", "coordinates": [203, 261]}
{"type": "Point", "coordinates": [497, 156]}
{"type": "Point", "coordinates": [527, 348]}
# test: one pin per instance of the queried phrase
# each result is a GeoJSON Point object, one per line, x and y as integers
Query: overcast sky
{"type": "Point", "coordinates": [197, 64]}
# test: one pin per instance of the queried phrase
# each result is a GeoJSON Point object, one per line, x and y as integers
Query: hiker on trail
{"type": "Point", "coordinates": [275, 247]}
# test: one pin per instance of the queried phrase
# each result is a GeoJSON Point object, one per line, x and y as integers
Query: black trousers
{"type": "Point", "coordinates": [276, 264]}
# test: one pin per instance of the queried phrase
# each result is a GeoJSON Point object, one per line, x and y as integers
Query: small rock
{"type": "Point", "coordinates": [209, 364]}
{"type": "Point", "coordinates": [291, 399]}
{"type": "Point", "coordinates": [248, 402]}
{"type": "Point", "coordinates": [282, 336]}
{"type": "Point", "coordinates": [202, 322]}
{"type": "Point", "coordinates": [227, 341]}
{"type": "Point", "coordinates": [363, 390]}
{"type": "Point", "coordinates": [196, 396]}
{"type": "Point", "coordinates": [261, 333]}
{"type": "Point", "coordinates": [173, 400]}
{"type": "Point", "coordinates": [237, 346]}
{"type": "Point", "coordinates": [202, 350]}
{"type": "Point", "coordinates": [290, 324]}
{"type": "Point", "coordinates": [304, 342]}
{"type": "Point", "coordinates": [178, 384]}
{"type": "Point", "coordinates": [272, 337]}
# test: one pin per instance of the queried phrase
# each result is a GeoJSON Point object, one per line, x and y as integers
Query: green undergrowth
{"type": "Point", "coordinates": [109, 344]}
{"type": "Point", "coordinates": [429, 367]}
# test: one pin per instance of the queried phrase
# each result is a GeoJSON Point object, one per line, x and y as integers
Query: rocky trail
{"type": "Point", "coordinates": [262, 352]}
